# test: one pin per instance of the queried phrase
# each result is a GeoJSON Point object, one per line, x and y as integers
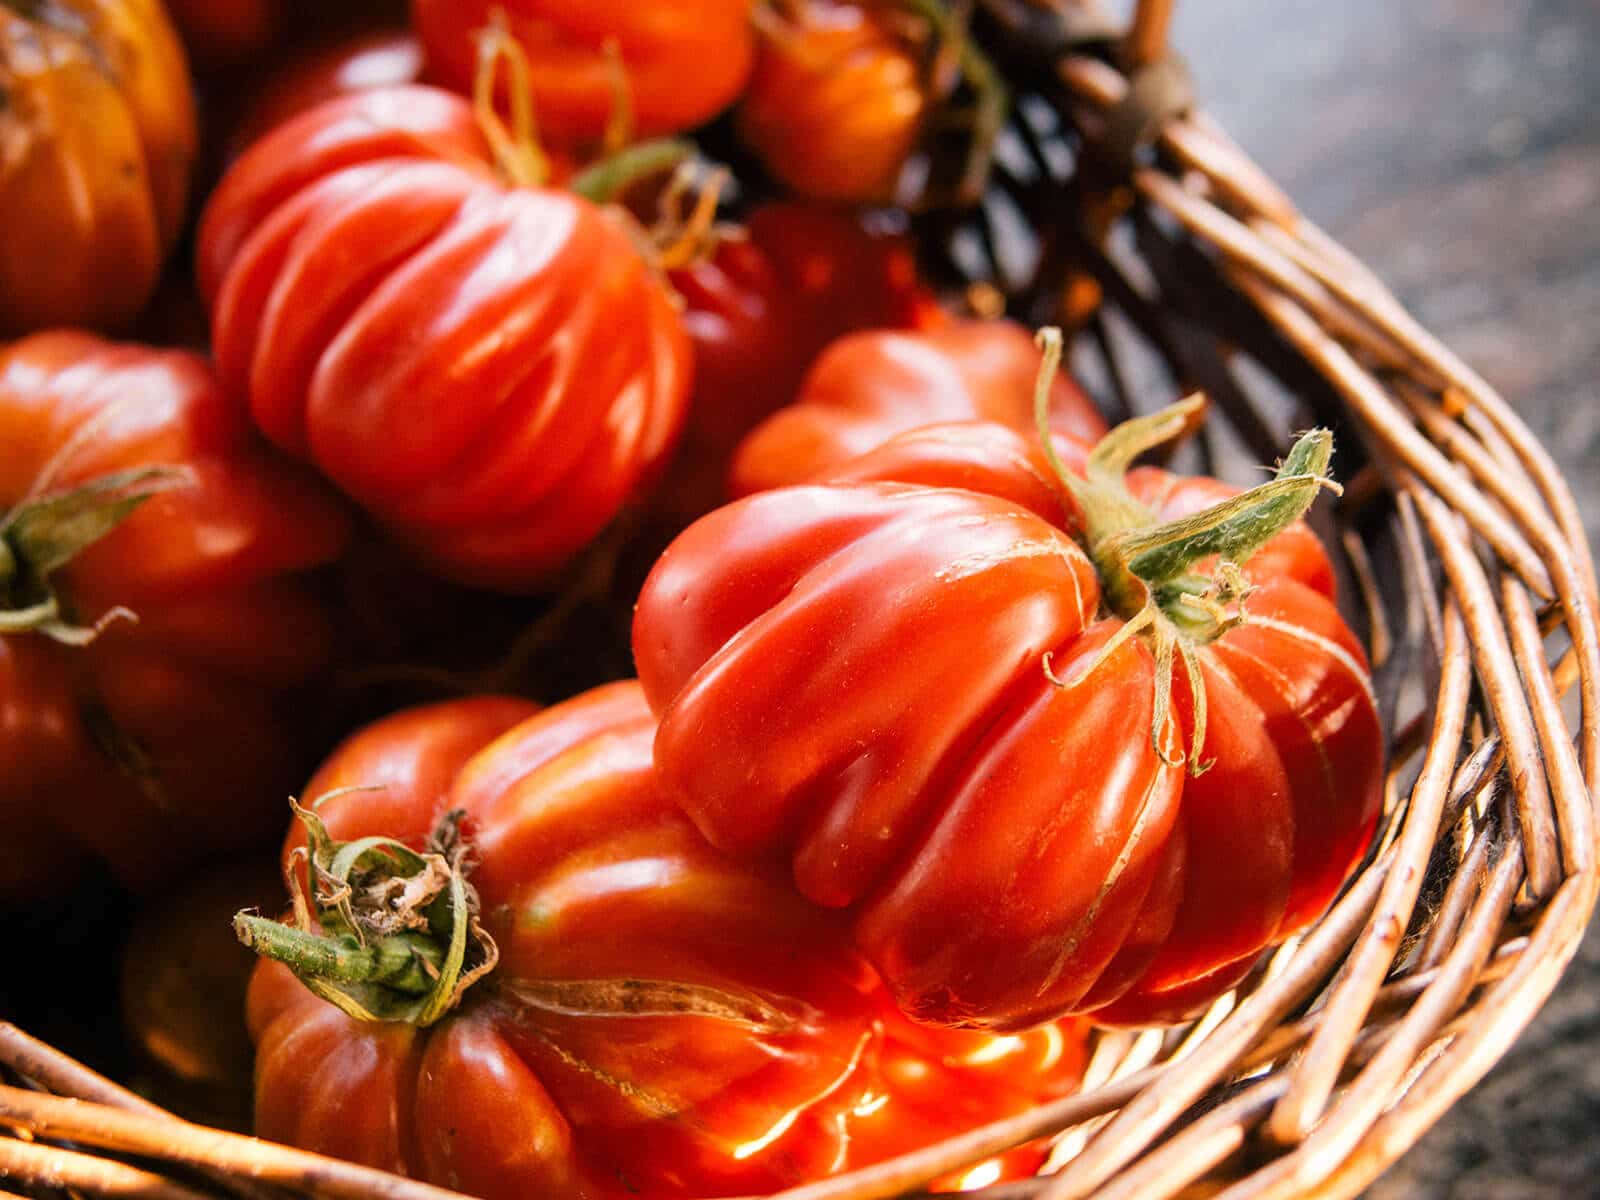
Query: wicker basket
{"type": "Point", "coordinates": [1462, 544]}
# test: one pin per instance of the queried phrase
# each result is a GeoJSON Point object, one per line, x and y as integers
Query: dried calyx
{"type": "Point", "coordinates": [387, 933]}
{"type": "Point", "coordinates": [41, 535]}
{"type": "Point", "coordinates": [518, 152]}
{"type": "Point", "coordinates": [1148, 567]}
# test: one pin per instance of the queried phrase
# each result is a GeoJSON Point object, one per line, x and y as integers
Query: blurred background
{"type": "Point", "coordinates": [1454, 146]}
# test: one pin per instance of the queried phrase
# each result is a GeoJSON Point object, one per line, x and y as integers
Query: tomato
{"type": "Point", "coordinates": [98, 125]}
{"type": "Point", "coordinates": [969, 734]}
{"type": "Point", "coordinates": [762, 307]}
{"type": "Point", "coordinates": [183, 985]}
{"type": "Point", "coordinates": [866, 388]}
{"type": "Point", "coordinates": [684, 60]}
{"type": "Point", "coordinates": [376, 58]}
{"type": "Point", "coordinates": [658, 1018]}
{"type": "Point", "coordinates": [170, 736]}
{"type": "Point", "coordinates": [491, 371]}
{"type": "Point", "coordinates": [225, 31]}
{"type": "Point", "coordinates": [837, 99]}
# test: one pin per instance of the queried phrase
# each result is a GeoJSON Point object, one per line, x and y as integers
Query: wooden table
{"type": "Point", "coordinates": [1454, 145]}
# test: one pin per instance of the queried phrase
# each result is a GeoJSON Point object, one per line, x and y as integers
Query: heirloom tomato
{"type": "Point", "coordinates": [969, 732]}
{"type": "Point", "coordinates": [761, 308]}
{"type": "Point", "coordinates": [868, 387]}
{"type": "Point", "coordinates": [491, 370]}
{"type": "Point", "coordinates": [683, 61]}
{"type": "Point", "coordinates": [837, 98]}
{"type": "Point", "coordinates": [97, 137]}
{"type": "Point", "coordinates": [609, 1006]}
{"type": "Point", "coordinates": [376, 58]}
{"type": "Point", "coordinates": [138, 503]}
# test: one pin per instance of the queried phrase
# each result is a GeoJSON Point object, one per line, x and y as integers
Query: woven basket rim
{"type": "Point", "coordinates": [1492, 543]}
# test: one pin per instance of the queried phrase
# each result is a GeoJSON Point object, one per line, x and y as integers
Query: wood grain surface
{"type": "Point", "coordinates": [1454, 145]}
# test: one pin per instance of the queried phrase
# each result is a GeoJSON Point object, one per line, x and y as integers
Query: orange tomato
{"type": "Point", "coordinates": [684, 60]}
{"type": "Point", "coordinates": [98, 135]}
{"type": "Point", "coordinates": [836, 101]}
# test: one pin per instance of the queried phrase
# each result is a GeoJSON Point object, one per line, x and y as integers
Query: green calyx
{"type": "Point", "coordinates": [388, 933]}
{"type": "Point", "coordinates": [43, 534]}
{"type": "Point", "coordinates": [1148, 567]}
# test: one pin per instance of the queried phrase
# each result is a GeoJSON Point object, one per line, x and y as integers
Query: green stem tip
{"type": "Point", "coordinates": [1148, 568]}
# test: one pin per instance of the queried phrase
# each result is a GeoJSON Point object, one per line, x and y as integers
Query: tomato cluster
{"type": "Point", "coordinates": [953, 729]}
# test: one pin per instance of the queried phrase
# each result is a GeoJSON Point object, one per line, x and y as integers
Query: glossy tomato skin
{"type": "Point", "coordinates": [868, 387]}
{"type": "Point", "coordinates": [836, 101]}
{"type": "Point", "coordinates": [761, 309]}
{"type": "Point", "coordinates": [852, 675]}
{"type": "Point", "coordinates": [99, 127]}
{"type": "Point", "coordinates": [685, 60]}
{"type": "Point", "coordinates": [164, 739]}
{"type": "Point", "coordinates": [588, 874]}
{"type": "Point", "coordinates": [491, 372]}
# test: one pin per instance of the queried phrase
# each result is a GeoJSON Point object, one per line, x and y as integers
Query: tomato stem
{"type": "Point", "coordinates": [610, 177]}
{"type": "Point", "coordinates": [389, 933]}
{"type": "Point", "coordinates": [1148, 567]}
{"type": "Point", "coordinates": [407, 964]}
{"type": "Point", "coordinates": [991, 98]}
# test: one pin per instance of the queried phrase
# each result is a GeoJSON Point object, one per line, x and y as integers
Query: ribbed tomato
{"type": "Point", "coordinates": [970, 734]}
{"type": "Point", "coordinates": [168, 736]}
{"type": "Point", "coordinates": [762, 307]}
{"type": "Point", "coordinates": [683, 60]}
{"type": "Point", "coordinates": [868, 387]}
{"type": "Point", "coordinates": [837, 99]}
{"type": "Point", "coordinates": [656, 1018]}
{"type": "Point", "coordinates": [492, 371]}
{"type": "Point", "coordinates": [97, 138]}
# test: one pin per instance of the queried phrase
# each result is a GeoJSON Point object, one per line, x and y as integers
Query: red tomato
{"type": "Point", "coordinates": [910, 693]}
{"type": "Point", "coordinates": [218, 32]}
{"type": "Point", "coordinates": [662, 1019]}
{"type": "Point", "coordinates": [836, 102]}
{"type": "Point", "coordinates": [685, 60]}
{"type": "Point", "coordinates": [377, 58]}
{"type": "Point", "coordinates": [762, 308]}
{"type": "Point", "coordinates": [491, 371]}
{"type": "Point", "coordinates": [866, 388]}
{"type": "Point", "coordinates": [170, 736]}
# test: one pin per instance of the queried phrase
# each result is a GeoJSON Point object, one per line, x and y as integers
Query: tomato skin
{"type": "Point", "coordinates": [491, 372]}
{"type": "Point", "coordinates": [762, 308]}
{"type": "Point", "coordinates": [836, 102]}
{"type": "Point", "coordinates": [685, 60]}
{"type": "Point", "coordinates": [867, 387]}
{"type": "Point", "coordinates": [588, 872]}
{"type": "Point", "coordinates": [225, 625]}
{"type": "Point", "coordinates": [99, 127]}
{"type": "Point", "coordinates": [375, 58]}
{"type": "Point", "coordinates": [182, 986]}
{"type": "Point", "coordinates": [851, 676]}
{"type": "Point", "coordinates": [217, 32]}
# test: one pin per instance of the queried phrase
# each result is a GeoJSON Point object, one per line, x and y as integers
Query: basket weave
{"type": "Point", "coordinates": [1461, 542]}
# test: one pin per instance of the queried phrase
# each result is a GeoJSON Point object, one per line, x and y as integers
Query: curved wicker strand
{"type": "Point", "coordinates": [1502, 1013]}
{"type": "Point", "coordinates": [1363, 1101]}
{"type": "Point", "coordinates": [167, 1140]}
{"type": "Point", "coordinates": [30, 1165]}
